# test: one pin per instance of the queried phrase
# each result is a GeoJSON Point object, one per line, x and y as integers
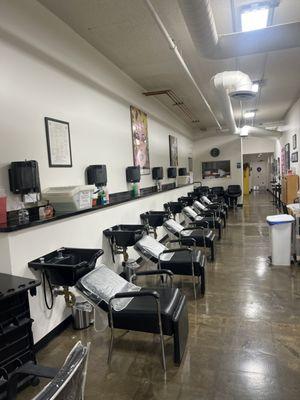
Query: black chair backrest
{"type": "Point", "coordinates": [70, 380]}
{"type": "Point", "coordinates": [217, 190]}
{"type": "Point", "coordinates": [186, 200]}
{"type": "Point", "coordinates": [234, 189]}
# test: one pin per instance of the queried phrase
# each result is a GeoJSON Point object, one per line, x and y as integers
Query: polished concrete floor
{"type": "Point", "coordinates": [244, 340]}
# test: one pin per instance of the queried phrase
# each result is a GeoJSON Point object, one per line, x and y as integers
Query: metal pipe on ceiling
{"type": "Point", "coordinates": [180, 58]}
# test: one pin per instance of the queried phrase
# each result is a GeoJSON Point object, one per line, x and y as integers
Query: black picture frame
{"type": "Point", "coordinates": [294, 141]}
{"type": "Point", "coordinates": [287, 157]}
{"type": "Point", "coordinates": [294, 157]}
{"type": "Point", "coordinates": [52, 135]}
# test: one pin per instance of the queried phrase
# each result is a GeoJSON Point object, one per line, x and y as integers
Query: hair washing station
{"type": "Point", "coordinates": [180, 261]}
{"type": "Point", "coordinates": [160, 309]}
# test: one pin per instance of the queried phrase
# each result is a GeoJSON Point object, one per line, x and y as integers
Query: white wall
{"type": "Point", "coordinates": [292, 123]}
{"type": "Point", "coordinates": [48, 70]}
{"type": "Point", "coordinates": [230, 149]}
{"type": "Point", "coordinates": [85, 231]}
{"type": "Point", "coordinates": [252, 145]}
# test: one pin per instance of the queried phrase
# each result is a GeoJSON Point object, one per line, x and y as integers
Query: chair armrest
{"type": "Point", "coordinates": [143, 293]}
{"type": "Point", "coordinates": [175, 250]}
{"type": "Point", "coordinates": [155, 272]}
{"type": "Point", "coordinates": [28, 369]}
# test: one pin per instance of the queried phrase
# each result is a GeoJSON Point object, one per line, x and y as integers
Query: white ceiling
{"type": "Point", "coordinates": [125, 32]}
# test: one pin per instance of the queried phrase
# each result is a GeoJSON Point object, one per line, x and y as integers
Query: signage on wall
{"type": "Point", "coordinates": [58, 143]}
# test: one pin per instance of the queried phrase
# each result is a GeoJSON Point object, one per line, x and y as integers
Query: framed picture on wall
{"type": "Point", "coordinates": [216, 169]}
{"type": "Point", "coordinates": [294, 141]}
{"type": "Point", "coordinates": [58, 143]}
{"type": "Point", "coordinates": [190, 164]}
{"type": "Point", "coordinates": [140, 140]}
{"type": "Point", "coordinates": [287, 157]}
{"type": "Point", "coordinates": [294, 156]}
{"type": "Point", "coordinates": [173, 149]}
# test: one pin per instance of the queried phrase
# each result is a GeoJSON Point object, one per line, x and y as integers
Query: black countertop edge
{"type": "Point", "coordinates": [14, 228]}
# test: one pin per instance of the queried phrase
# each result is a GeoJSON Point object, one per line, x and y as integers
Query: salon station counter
{"type": "Point", "coordinates": [20, 244]}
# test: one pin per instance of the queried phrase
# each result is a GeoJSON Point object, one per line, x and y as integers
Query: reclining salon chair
{"type": "Point", "coordinates": [199, 207]}
{"type": "Point", "coordinates": [68, 382]}
{"type": "Point", "coordinates": [215, 205]}
{"type": "Point", "coordinates": [191, 236]}
{"type": "Point", "coordinates": [180, 261]}
{"type": "Point", "coordinates": [233, 192]}
{"type": "Point", "coordinates": [197, 219]}
{"type": "Point", "coordinates": [160, 309]}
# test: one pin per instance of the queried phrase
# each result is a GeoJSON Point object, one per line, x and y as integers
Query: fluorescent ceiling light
{"type": "Point", "coordinates": [253, 18]}
{"type": "Point", "coordinates": [244, 131]}
{"type": "Point", "coordinates": [255, 87]}
{"type": "Point", "coordinates": [249, 114]}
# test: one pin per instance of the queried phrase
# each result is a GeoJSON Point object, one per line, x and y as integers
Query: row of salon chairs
{"type": "Point", "coordinates": [230, 195]}
{"type": "Point", "coordinates": [160, 308]}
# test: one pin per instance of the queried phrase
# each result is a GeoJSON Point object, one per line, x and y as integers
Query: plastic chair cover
{"type": "Point", "coordinates": [148, 247]}
{"type": "Point", "coordinates": [199, 205]}
{"type": "Point", "coordinates": [206, 200]}
{"type": "Point", "coordinates": [102, 284]}
{"type": "Point", "coordinates": [192, 214]}
{"type": "Point", "coordinates": [174, 228]}
{"type": "Point", "coordinates": [69, 382]}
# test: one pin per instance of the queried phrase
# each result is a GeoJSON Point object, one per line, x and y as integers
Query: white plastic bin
{"type": "Point", "coordinates": [70, 198]}
{"type": "Point", "coordinates": [281, 234]}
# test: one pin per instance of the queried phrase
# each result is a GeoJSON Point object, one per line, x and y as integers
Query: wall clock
{"type": "Point", "coordinates": [215, 152]}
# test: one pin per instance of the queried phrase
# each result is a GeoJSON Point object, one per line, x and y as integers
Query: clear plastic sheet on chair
{"type": "Point", "coordinates": [69, 382]}
{"type": "Point", "coordinates": [199, 205]}
{"type": "Point", "coordinates": [102, 284]}
{"type": "Point", "coordinates": [148, 247]}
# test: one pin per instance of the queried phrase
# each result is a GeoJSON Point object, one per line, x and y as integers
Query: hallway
{"type": "Point", "coordinates": [244, 338]}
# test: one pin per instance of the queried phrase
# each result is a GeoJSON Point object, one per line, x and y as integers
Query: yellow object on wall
{"type": "Point", "coordinates": [246, 177]}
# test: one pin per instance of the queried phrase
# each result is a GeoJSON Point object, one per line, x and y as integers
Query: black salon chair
{"type": "Point", "coordinates": [233, 192]}
{"type": "Point", "coordinates": [209, 220]}
{"type": "Point", "coordinates": [217, 193]}
{"type": "Point", "coordinates": [186, 200]}
{"type": "Point", "coordinates": [214, 205]}
{"type": "Point", "coordinates": [203, 209]}
{"type": "Point", "coordinates": [159, 309]}
{"type": "Point", "coordinates": [192, 236]}
{"type": "Point", "coordinates": [202, 190]}
{"type": "Point", "coordinates": [173, 207]}
{"type": "Point", "coordinates": [181, 261]}
{"type": "Point", "coordinates": [68, 382]}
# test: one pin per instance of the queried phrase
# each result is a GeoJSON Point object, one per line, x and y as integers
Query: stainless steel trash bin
{"type": "Point", "coordinates": [82, 313]}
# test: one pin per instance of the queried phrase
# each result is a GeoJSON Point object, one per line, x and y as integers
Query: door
{"type": "Point", "coordinates": [259, 175]}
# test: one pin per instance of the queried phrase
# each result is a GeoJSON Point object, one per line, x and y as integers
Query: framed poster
{"type": "Point", "coordinates": [190, 163]}
{"type": "Point", "coordinates": [58, 143]}
{"type": "Point", "coordinates": [216, 169]}
{"type": "Point", "coordinates": [173, 149]}
{"type": "Point", "coordinates": [294, 141]}
{"type": "Point", "coordinates": [140, 140]}
{"type": "Point", "coordinates": [294, 156]}
{"type": "Point", "coordinates": [282, 163]}
{"type": "Point", "coordinates": [287, 157]}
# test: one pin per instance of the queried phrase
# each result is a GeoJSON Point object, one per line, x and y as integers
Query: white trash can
{"type": "Point", "coordinates": [281, 235]}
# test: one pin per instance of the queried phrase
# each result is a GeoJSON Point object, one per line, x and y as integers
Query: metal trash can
{"type": "Point", "coordinates": [280, 232]}
{"type": "Point", "coordinates": [82, 312]}
{"type": "Point", "coordinates": [130, 266]}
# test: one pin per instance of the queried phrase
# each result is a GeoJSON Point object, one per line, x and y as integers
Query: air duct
{"type": "Point", "coordinates": [235, 84]}
{"type": "Point", "coordinates": [238, 85]}
{"type": "Point", "coordinates": [200, 21]}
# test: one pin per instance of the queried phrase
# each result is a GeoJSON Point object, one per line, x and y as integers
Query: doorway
{"type": "Point", "coordinates": [257, 171]}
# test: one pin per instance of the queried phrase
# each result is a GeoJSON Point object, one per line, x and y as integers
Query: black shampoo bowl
{"type": "Point", "coordinates": [66, 265]}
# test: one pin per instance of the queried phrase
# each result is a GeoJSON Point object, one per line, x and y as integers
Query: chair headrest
{"type": "Point", "coordinates": [149, 247]}
{"type": "Point", "coordinates": [102, 284]}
